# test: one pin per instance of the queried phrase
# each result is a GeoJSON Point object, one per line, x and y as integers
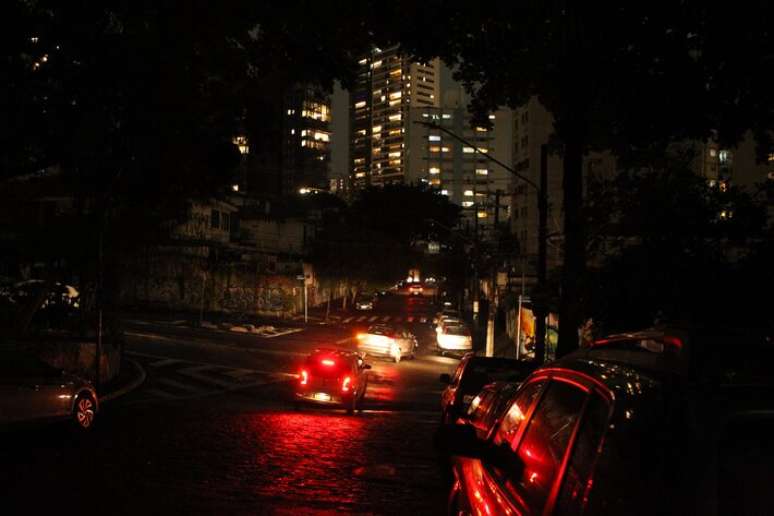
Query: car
{"type": "Point", "coordinates": [332, 377]}
{"type": "Point", "coordinates": [32, 391]}
{"type": "Point", "coordinates": [471, 375]}
{"type": "Point", "coordinates": [453, 336]}
{"type": "Point", "coordinates": [394, 342]}
{"type": "Point", "coordinates": [365, 302]}
{"type": "Point", "coordinates": [416, 290]}
{"type": "Point", "coordinates": [667, 421]}
{"type": "Point", "coordinates": [444, 320]}
{"type": "Point", "coordinates": [488, 407]}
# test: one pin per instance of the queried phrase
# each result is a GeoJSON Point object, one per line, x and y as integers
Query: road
{"type": "Point", "coordinates": [213, 431]}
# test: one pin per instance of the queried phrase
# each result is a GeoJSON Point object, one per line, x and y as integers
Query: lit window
{"type": "Point", "coordinates": [468, 193]}
{"type": "Point", "coordinates": [444, 149]}
{"type": "Point", "coordinates": [491, 117]}
{"type": "Point", "coordinates": [482, 172]}
{"type": "Point", "coordinates": [360, 104]}
{"type": "Point", "coordinates": [444, 192]}
{"type": "Point", "coordinates": [395, 154]}
{"type": "Point", "coordinates": [446, 116]}
{"type": "Point", "coordinates": [376, 64]}
{"type": "Point", "coordinates": [291, 111]}
{"type": "Point", "coordinates": [292, 131]}
{"type": "Point", "coordinates": [360, 174]}
{"type": "Point", "coordinates": [383, 98]}
{"type": "Point", "coordinates": [713, 153]}
{"type": "Point", "coordinates": [395, 72]}
{"type": "Point", "coordinates": [362, 61]}
{"type": "Point", "coordinates": [724, 156]}
{"type": "Point", "coordinates": [395, 95]}
{"type": "Point", "coordinates": [482, 215]}
{"type": "Point", "coordinates": [468, 150]}
{"type": "Point", "coordinates": [321, 136]}
{"type": "Point", "coordinates": [435, 170]}
{"type": "Point", "coordinates": [435, 182]}
{"type": "Point", "coordinates": [467, 204]}
{"type": "Point", "coordinates": [377, 129]}
{"type": "Point", "coordinates": [241, 143]}
{"type": "Point", "coordinates": [481, 129]}
{"type": "Point", "coordinates": [396, 117]}
{"type": "Point", "coordinates": [394, 132]}
{"type": "Point", "coordinates": [394, 102]}
{"type": "Point", "coordinates": [771, 158]}
{"type": "Point", "coordinates": [435, 148]}
{"type": "Point", "coordinates": [395, 162]}
{"type": "Point", "coordinates": [434, 138]}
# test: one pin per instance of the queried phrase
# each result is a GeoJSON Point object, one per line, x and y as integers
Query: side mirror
{"type": "Point", "coordinates": [445, 378]}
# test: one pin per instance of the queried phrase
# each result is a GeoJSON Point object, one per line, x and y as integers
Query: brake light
{"type": "Point", "coordinates": [304, 377]}
{"type": "Point", "coordinates": [361, 336]}
{"type": "Point", "coordinates": [328, 362]}
{"type": "Point", "coordinates": [675, 342]}
{"type": "Point", "coordinates": [345, 384]}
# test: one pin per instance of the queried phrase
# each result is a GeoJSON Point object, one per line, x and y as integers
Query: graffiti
{"type": "Point", "coordinates": [273, 299]}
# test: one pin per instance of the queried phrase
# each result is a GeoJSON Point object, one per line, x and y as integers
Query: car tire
{"type": "Point", "coordinates": [84, 412]}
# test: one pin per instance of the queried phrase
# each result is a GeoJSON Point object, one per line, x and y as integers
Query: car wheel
{"type": "Point", "coordinates": [84, 412]}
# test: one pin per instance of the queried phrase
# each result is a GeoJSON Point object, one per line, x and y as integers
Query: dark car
{"type": "Point", "coordinates": [473, 373]}
{"type": "Point", "coordinates": [642, 423]}
{"type": "Point", "coordinates": [487, 408]}
{"type": "Point", "coordinates": [33, 391]}
{"type": "Point", "coordinates": [334, 378]}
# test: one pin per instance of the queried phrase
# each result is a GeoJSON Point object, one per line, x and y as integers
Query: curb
{"type": "Point", "coordinates": [132, 386]}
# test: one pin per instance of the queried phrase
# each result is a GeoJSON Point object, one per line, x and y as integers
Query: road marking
{"type": "Point", "coordinates": [238, 373]}
{"type": "Point", "coordinates": [348, 319]}
{"type": "Point", "coordinates": [160, 394]}
{"type": "Point", "coordinates": [410, 318]}
{"type": "Point", "coordinates": [361, 318]}
{"type": "Point", "coordinates": [279, 334]}
{"type": "Point", "coordinates": [385, 318]}
{"type": "Point", "coordinates": [195, 373]}
{"type": "Point", "coordinates": [165, 362]}
{"type": "Point", "coordinates": [372, 319]}
{"type": "Point", "coordinates": [182, 386]}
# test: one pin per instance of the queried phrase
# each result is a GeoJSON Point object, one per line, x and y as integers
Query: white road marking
{"type": "Point", "coordinates": [165, 362]}
{"type": "Point", "coordinates": [182, 386]}
{"type": "Point", "coordinates": [238, 373]}
{"type": "Point", "coordinates": [385, 318]}
{"type": "Point", "coordinates": [284, 332]}
{"type": "Point", "coordinates": [361, 318]}
{"type": "Point", "coordinates": [347, 320]}
{"type": "Point", "coordinates": [196, 374]}
{"type": "Point", "coordinates": [372, 319]}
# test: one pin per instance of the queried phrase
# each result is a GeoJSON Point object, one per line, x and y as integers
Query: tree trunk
{"type": "Point", "coordinates": [574, 246]}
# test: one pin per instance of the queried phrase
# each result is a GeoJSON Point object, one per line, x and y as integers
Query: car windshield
{"type": "Point", "coordinates": [457, 330]}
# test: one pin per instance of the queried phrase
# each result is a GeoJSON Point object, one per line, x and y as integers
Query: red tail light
{"type": "Point", "coordinates": [345, 384]}
{"type": "Point", "coordinates": [327, 362]}
{"type": "Point", "coordinates": [304, 377]}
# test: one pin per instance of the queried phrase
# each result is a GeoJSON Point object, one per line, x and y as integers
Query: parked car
{"type": "Point", "coordinates": [642, 423]}
{"type": "Point", "coordinates": [365, 302]}
{"type": "Point", "coordinates": [33, 391]}
{"type": "Point", "coordinates": [488, 407]}
{"type": "Point", "coordinates": [382, 340]}
{"type": "Point", "coordinates": [416, 290]}
{"type": "Point", "coordinates": [453, 336]}
{"type": "Point", "coordinates": [471, 375]}
{"type": "Point", "coordinates": [333, 377]}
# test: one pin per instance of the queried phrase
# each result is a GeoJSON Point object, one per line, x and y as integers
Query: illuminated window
{"type": "Point", "coordinates": [482, 172]}
{"type": "Point", "coordinates": [395, 118]}
{"type": "Point", "coordinates": [362, 132]}
{"type": "Point", "coordinates": [435, 170]}
{"type": "Point", "coordinates": [724, 156]}
{"type": "Point", "coordinates": [713, 153]}
{"type": "Point", "coordinates": [434, 138]}
{"type": "Point", "coordinates": [377, 129]}
{"type": "Point", "coordinates": [435, 182]}
{"type": "Point", "coordinates": [468, 193]}
{"type": "Point", "coordinates": [360, 174]}
{"type": "Point", "coordinates": [491, 117]}
{"type": "Point", "coordinates": [444, 149]}
{"type": "Point", "coordinates": [241, 143]}
{"type": "Point", "coordinates": [292, 131]}
{"type": "Point", "coordinates": [482, 215]}
{"type": "Point", "coordinates": [376, 64]}
{"type": "Point", "coordinates": [291, 111]}
{"type": "Point", "coordinates": [435, 148]}
{"type": "Point", "coordinates": [395, 95]}
{"type": "Point", "coordinates": [360, 104]}
{"type": "Point", "coordinates": [394, 102]}
{"type": "Point", "coordinates": [395, 162]}
{"type": "Point", "coordinates": [316, 111]}
{"type": "Point", "coordinates": [444, 192]}
{"type": "Point", "coordinates": [446, 116]}
{"type": "Point", "coordinates": [321, 136]}
{"type": "Point", "coordinates": [468, 150]}
{"type": "Point", "coordinates": [395, 154]}
{"type": "Point", "coordinates": [481, 129]}
{"type": "Point", "coordinates": [395, 72]}
{"type": "Point", "coordinates": [362, 61]}
{"type": "Point", "coordinates": [394, 132]}
{"type": "Point", "coordinates": [771, 158]}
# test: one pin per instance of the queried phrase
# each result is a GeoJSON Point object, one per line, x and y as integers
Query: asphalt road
{"type": "Point", "coordinates": [213, 431]}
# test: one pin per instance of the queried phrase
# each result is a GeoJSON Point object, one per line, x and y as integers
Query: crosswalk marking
{"type": "Point", "coordinates": [165, 362]}
{"type": "Point", "coordinates": [238, 373]}
{"type": "Point", "coordinates": [361, 318]}
{"type": "Point", "coordinates": [372, 319]}
{"type": "Point", "coordinates": [196, 374]}
{"type": "Point", "coordinates": [181, 386]}
{"type": "Point", "coordinates": [387, 318]}
{"type": "Point", "coordinates": [348, 319]}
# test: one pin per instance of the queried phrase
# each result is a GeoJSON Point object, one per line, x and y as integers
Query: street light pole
{"type": "Point", "coordinates": [542, 198]}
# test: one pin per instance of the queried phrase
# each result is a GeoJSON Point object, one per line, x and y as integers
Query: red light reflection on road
{"type": "Point", "coordinates": [311, 455]}
{"type": "Point", "coordinates": [382, 384]}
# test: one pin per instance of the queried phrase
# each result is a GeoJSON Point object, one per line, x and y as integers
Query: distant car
{"type": "Point", "coordinates": [471, 375]}
{"type": "Point", "coordinates": [31, 390]}
{"type": "Point", "coordinates": [416, 290]}
{"type": "Point", "coordinates": [365, 302]}
{"type": "Point", "coordinates": [653, 422]}
{"type": "Point", "coordinates": [454, 336]}
{"type": "Point", "coordinates": [333, 377]}
{"type": "Point", "coordinates": [394, 342]}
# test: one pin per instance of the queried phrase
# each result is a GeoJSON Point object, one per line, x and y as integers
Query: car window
{"type": "Point", "coordinates": [543, 446]}
{"type": "Point", "coordinates": [21, 365]}
{"type": "Point", "coordinates": [577, 477]}
{"type": "Point", "coordinates": [516, 414]}
{"type": "Point", "coordinates": [458, 372]}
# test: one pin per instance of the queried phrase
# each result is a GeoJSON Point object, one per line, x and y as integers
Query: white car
{"type": "Point", "coordinates": [393, 342]}
{"type": "Point", "coordinates": [454, 337]}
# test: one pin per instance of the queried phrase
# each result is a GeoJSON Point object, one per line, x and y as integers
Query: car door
{"type": "Point", "coordinates": [30, 389]}
{"type": "Point", "coordinates": [539, 448]}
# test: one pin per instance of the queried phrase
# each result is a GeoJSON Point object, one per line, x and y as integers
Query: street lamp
{"type": "Point", "coordinates": [542, 198]}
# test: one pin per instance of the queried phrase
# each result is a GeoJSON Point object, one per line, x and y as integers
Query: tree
{"type": "Point", "coordinates": [618, 77]}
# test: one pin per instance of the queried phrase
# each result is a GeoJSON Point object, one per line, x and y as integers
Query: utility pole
{"type": "Point", "coordinates": [493, 293]}
{"type": "Point", "coordinates": [542, 197]}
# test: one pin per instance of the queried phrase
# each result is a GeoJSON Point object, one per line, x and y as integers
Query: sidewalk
{"type": "Point", "coordinates": [132, 375]}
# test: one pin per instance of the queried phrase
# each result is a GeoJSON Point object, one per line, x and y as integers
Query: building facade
{"type": "Point", "coordinates": [388, 87]}
{"type": "Point", "coordinates": [306, 151]}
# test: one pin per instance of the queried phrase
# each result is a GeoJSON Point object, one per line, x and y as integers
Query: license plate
{"type": "Point", "coordinates": [322, 396]}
